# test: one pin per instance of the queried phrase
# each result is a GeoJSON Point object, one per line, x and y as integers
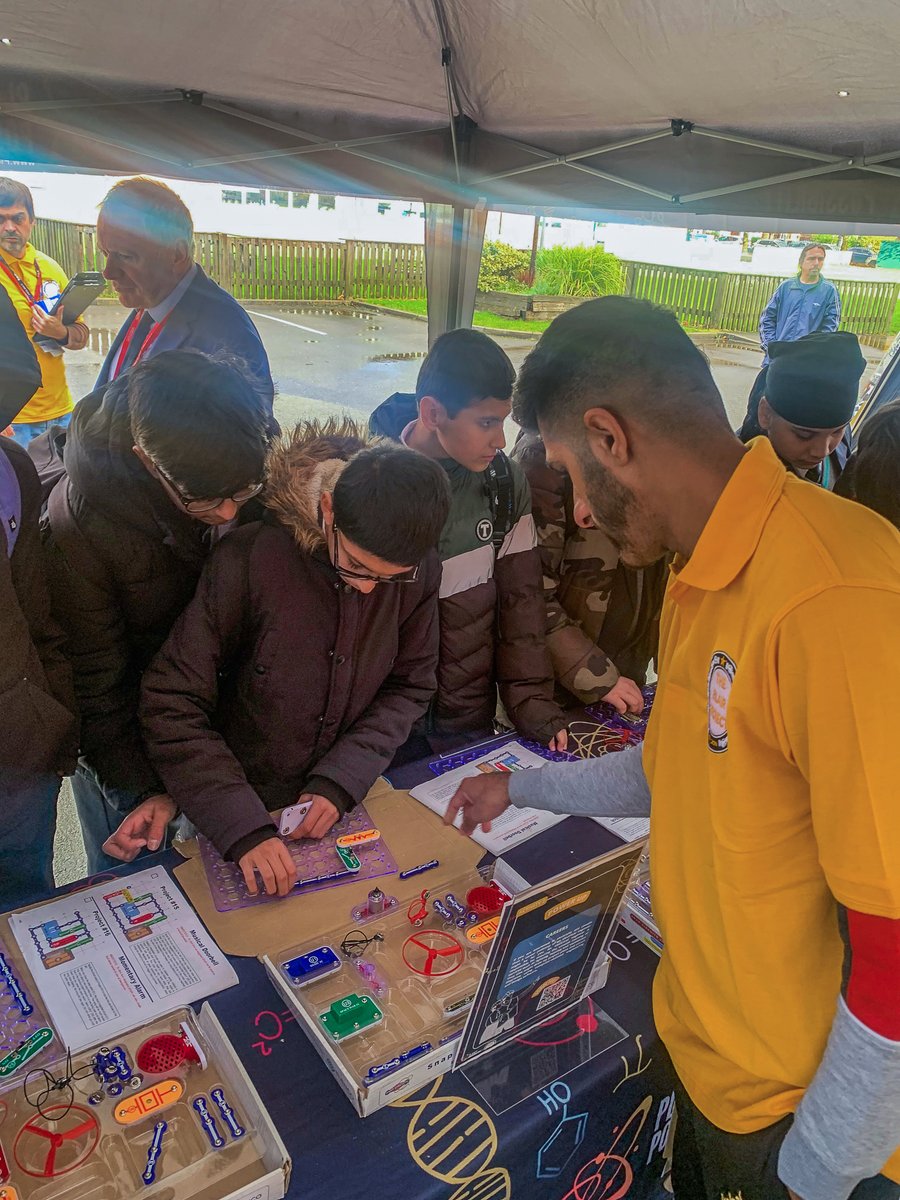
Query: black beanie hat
{"type": "Point", "coordinates": [814, 382]}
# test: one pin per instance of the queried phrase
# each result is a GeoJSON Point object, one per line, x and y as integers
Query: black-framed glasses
{"type": "Point", "coordinates": [197, 507]}
{"type": "Point", "coordinates": [410, 576]}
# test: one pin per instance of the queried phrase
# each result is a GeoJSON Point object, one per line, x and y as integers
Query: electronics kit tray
{"type": "Point", "coordinates": [27, 1036]}
{"type": "Point", "coordinates": [416, 982]}
{"type": "Point", "coordinates": [158, 1114]}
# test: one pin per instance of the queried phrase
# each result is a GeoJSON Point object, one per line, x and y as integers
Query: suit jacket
{"type": "Point", "coordinates": [206, 318]}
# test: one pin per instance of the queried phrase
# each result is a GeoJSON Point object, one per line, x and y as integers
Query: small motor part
{"type": "Point", "coordinates": [378, 904]}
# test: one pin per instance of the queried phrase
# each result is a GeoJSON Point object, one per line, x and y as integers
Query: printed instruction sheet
{"type": "Point", "coordinates": [629, 829]}
{"type": "Point", "coordinates": [117, 955]}
{"type": "Point", "coordinates": [516, 825]}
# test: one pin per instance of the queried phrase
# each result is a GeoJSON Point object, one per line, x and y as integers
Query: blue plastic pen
{"type": "Point", "coordinates": [429, 866]}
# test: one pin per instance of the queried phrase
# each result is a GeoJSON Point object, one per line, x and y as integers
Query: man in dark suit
{"type": "Point", "coordinates": [146, 233]}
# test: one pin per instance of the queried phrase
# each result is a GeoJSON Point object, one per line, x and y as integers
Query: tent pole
{"type": "Point", "coordinates": [454, 236]}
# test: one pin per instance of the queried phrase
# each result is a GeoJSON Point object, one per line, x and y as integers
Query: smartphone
{"type": "Point", "coordinates": [292, 817]}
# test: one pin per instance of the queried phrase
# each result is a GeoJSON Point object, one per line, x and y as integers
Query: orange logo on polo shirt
{"type": "Point", "coordinates": [719, 684]}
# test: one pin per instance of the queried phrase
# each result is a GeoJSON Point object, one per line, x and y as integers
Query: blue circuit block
{"type": "Point", "coordinates": [315, 965]}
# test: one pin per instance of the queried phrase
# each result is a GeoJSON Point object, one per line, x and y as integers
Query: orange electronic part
{"type": "Point", "coordinates": [8, 1193]}
{"type": "Point", "coordinates": [148, 1102]}
{"type": "Point", "coordinates": [362, 838]}
{"type": "Point", "coordinates": [485, 932]}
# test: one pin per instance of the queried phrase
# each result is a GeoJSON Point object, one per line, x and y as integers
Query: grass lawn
{"type": "Point", "coordinates": [895, 324]}
{"type": "Point", "coordinates": [485, 319]}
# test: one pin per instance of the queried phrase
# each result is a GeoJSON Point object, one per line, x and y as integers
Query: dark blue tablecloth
{"type": "Point", "coordinates": [594, 1131]}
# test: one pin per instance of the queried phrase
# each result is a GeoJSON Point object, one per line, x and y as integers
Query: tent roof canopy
{"type": "Point", "coordinates": [651, 107]}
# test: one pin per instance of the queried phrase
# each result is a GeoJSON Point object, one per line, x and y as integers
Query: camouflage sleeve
{"type": "Point", "coordinates": [579, 664]}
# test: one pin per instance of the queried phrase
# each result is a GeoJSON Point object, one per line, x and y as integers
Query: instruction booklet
{"type": "Point", "coordinates": [515, 825]}
{"type": "Point", "coordinates": [118, 955]}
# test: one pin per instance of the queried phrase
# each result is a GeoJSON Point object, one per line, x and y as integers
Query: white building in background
{"type": "Point", "coordinates": [253, 212]}
{"type": "Point", "coordinates": [284, 213]}
{"type": "Point", "coordinates": [317, 217]}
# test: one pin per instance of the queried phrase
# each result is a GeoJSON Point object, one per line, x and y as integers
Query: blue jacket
{"type": "Point", "coordinates": [206, 318]}
{"type": "Point", "coordinates": [797, 309]}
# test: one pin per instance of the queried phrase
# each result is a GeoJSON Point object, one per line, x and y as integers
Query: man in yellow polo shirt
{"type": "Point", "coordinates": [33, 282]}
{"type": "Point", "coordinates": [772, 757]}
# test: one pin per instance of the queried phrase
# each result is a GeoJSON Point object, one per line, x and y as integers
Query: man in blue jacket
{"type": "Point", "coordinates": [808, 303]}
{"type": "Point", "coordinates": [146, 233]}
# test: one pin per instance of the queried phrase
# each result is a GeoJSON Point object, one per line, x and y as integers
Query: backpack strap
{"type": "Point", "coordinates": [499, 484]}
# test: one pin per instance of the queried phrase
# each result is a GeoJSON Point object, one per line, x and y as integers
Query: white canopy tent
{"type": "Point", "coordinates": [712, 112]}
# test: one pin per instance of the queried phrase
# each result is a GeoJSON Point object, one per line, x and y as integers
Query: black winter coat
{"type": "Point", "coordinates": [279, 678]}
{"type": "Point", "coordinates": [38, 730]}
{"type": "Point", "coordinates": [122, 563]}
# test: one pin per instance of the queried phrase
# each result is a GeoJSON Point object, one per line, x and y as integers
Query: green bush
{"type": "Point", "coordinates": [578, 271]}
{"type": "Point", "coordinates": [503, 268]}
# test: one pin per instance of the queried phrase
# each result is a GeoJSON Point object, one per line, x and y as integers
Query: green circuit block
{"type": "Point", "coordinates": [348, 858]}
{"type": "Point", "coordinates": [351, 1015]}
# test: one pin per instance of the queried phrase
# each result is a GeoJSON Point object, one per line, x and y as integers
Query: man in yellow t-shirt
{"type": "Point", "coordinates": [33, 282]}
{"type": "Point", "coordinates": [772, 757]}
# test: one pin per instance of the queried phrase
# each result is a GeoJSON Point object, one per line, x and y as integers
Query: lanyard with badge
{"type": "Point", "coordinates": [148, 341]}
{"type": "Point", "coordinates": [22, 286]}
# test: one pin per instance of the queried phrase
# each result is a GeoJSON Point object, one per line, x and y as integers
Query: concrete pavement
{"type": "Point", "coordinates": [331, 361]}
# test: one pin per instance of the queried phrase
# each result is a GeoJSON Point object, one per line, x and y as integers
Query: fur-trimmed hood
{"type": "Point", "coordinates": [301, 465]}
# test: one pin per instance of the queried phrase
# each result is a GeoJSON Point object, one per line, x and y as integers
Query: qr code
{"type": "Point", "coordinates": [555, 991]}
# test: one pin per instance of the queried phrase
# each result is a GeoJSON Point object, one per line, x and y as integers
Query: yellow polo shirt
{"type": "Point", "coordinates": [773, 758]}
{"type": "Point", "coordinates": [53, 398]}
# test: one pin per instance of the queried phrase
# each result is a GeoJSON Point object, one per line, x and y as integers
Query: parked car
{"type": "Point", "coordinates": [883, 387]}
{"type": "Point", "coordinates": [862, 256]}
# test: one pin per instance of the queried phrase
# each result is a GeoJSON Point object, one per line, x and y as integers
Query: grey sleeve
{"type": "Point", "coordinates": [611, 786]}
{"type": "Point", "coordinates": [846, 1127]}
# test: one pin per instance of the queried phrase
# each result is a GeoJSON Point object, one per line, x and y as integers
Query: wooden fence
{"type": "Point", "coordinates": [269, 268]}
{"type": "Point", "coordinates": [285, 269]}
{"type": "Point", "coordinates": [734, 302]}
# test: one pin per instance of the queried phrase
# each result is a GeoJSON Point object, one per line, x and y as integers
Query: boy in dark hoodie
{"type": "Point", "coordinates": [308, 651]}
{"type": "Point", "coordinates": [492, 614]}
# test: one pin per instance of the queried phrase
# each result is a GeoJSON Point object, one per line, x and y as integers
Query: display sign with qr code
{"type": "Point", "coordinates": [548, 944]}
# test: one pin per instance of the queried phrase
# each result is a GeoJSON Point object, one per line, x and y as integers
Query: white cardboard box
{"type": "Point", "coordinates": [274, 1183]}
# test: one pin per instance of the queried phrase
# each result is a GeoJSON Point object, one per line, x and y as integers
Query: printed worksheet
{"type": "Point", "coordinates": [516, 825]}
{"type": "Point", "coordinates": [629, 829]}
{"type": "Point", "coordinates": [117, 955]}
